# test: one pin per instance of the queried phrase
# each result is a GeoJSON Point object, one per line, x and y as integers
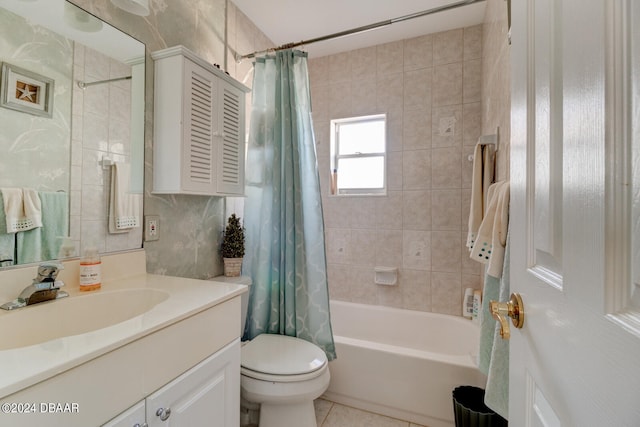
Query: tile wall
{"type": "Point", "coordinates": [430, 87]}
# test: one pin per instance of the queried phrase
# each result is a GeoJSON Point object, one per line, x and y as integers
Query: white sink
{"type": "Point", "coordinates": [75, 315]}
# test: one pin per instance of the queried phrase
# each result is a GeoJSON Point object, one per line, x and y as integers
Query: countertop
{"type": "Point", "coordinates": [25, 366]}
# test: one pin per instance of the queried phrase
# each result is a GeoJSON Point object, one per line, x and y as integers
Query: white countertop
{"type": "Point", "coordinates": [25, 366]}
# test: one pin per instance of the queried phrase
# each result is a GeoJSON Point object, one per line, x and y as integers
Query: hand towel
{"type": "Point", "coordinates": [22, 209]}
{"type": "Point", "coordinates": [492, 234]}
{"type": "Point", "coordinates": [32, 206]}
{"type": "Point", "coordinates": [482, 178]}
{"type": "Point", "coordinates": [43, 243]}
{"type": "Point", "coordinates": [124, 210]}
{"type": "Point", "coordinates": [493, 358]}
{"type": "Point", "coordinates": [7, 241]}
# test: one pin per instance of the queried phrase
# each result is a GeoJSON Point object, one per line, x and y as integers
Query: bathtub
{"type": "Point", "coordinates": [401, 363]}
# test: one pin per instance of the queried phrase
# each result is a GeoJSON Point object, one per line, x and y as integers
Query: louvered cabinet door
{"type": "Point", "coordinates": [231, 112]}
{"type": "Point", "coordinates": [200, 127]}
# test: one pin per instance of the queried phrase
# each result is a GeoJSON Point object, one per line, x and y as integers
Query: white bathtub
{"type": "Point", "coordinates": [401, 363]}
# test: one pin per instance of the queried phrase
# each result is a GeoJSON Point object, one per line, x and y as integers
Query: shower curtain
{"type": "Point", "coordinates": [285, 251]}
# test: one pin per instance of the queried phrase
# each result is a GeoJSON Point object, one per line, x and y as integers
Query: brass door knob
{"type": "Point", "coordinates": [514, 308]}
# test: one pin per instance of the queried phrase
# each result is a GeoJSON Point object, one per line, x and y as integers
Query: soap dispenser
{"type": "Point", "coordinates": [90, 270]}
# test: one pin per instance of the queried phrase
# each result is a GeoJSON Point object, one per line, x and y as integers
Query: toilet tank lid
{"type": "Point", "coordinates": [282, 355]}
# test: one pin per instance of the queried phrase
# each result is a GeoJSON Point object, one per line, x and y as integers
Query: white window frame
{"type": "Point", "coordinates": [335, 157]}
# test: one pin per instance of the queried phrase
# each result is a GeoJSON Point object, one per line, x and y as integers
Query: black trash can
{"type": "Point", "coordinates": [470, 411]}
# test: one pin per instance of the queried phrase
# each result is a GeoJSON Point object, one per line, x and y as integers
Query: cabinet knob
{"type": "Point", "coordinates": [164, 414]}
{"type": "Point", "coordinates": [141, 425]}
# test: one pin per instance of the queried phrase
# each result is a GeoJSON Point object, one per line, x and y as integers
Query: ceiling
{"type": "Point", "coordinates": [287, 21]}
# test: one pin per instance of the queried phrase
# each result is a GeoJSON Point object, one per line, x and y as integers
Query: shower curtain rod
{"type": "Point", "coordinates": [83, 85]}
{"type": "Point", "coordinates": [362, 29]}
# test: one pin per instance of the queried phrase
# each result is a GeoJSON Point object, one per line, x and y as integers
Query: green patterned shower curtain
{"type": "Point", "coordinates": [285, 254]}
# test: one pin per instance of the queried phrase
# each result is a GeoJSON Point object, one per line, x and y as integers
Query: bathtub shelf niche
{"type": "Point", "coordinates": [387, 276]}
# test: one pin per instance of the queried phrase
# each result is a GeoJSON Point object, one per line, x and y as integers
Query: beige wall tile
{"type": "Point", "coordinates": [446, 209]}
{"type": "Point", "coordinates": [447, 84]}
{"type": "Point", "coordinates": [471, 123]}
{"type": "Point", "coordinates": [446, 252]}
{"type": "Point", "coordinates": [363, 97]}
{"type": "Point", "coordinates": [445, 169]}
{"type": "Point", "coordinates": [446, 294]}
{"type": "Point", "coordinates": [416, 210]}
{"type": "Point", "coordinates": [416, 169]}
{"type": "Point", "coordinates": [390, 91]}
{"type": "Point", "coordinates": [417, 88]}
{"type": "Point", "coordinates": [472, 40]}
{"type": "Point", "coordinates": [340, 100]}
{"type": "Point", "coordinates": [363, 242]}
{"type": "Point", "coordinates": [339, 68]}
{"type": "Point", "coordinates": [388, 211]}
{"type": "Point", "coordinates": [448, 47]}
{"type": "Point", "coordinates": [416, 249]}
{"type": "Point", "coordinates": [418, 52]}
{"type": "Point", "coordinates": [471, 80]}
{"type": "Point", "coordinates": [447, 126]}
{"type": "Point", "coordinates": [364, 64]}
{"type": "Point", "coordinates": [416, 133]}
{"type": "Point", "coordinates": [394, 170]}
{"type": "Point", "coordinates": [416, 286]}
{"type": "Point", "coordinates": [390, 58]}
{"type": "Point", "coordinates": [389, 248]}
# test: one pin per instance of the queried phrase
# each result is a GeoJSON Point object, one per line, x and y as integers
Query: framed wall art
{"type": "Point", "coordinates": [26, 91]}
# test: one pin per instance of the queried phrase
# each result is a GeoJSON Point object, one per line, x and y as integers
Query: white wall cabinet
{"type": "Point", "coordinates": [207, 394]}
{"type": "Point", "coordinates": [199, 126]}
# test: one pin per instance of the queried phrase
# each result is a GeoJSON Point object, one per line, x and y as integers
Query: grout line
{"type": "Point", "coordinates": [326, 417]}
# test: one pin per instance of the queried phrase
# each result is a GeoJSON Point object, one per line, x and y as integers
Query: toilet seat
{"type": "Point", "coordinates": [280, 358]}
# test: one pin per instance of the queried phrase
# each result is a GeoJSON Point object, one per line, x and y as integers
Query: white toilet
{"type": "Point", "coordinates": [283, 375]}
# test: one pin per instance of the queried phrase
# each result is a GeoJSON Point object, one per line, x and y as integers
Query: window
{"type": "Point", "coordinates": [358, 155]}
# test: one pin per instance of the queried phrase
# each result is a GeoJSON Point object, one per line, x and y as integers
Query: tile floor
{"type": "Point", "coordinates": [330, 414]}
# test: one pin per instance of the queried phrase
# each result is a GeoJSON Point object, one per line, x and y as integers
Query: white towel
{"type": "Point", "coordinates": [482, 178]}
{"type": "Point", "coordinates": [124, 211]}
{"type": "Point", "coordinates": [22, 209]}
{"type": "Point", "coordinates": [492, 234]}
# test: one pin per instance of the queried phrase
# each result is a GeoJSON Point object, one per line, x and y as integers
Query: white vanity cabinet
{"type": "Point", "coordinates": [183, 355]}
{"type": "Point", "coordinates": [199, 126]}
{"type": "Point", "coordinates": [132, 417]}
{"type": "Point", "coordinates": [207, 394]}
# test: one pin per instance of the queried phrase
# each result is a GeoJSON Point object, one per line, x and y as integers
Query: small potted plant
{"type": "Point", "coordinates": [232, 247]}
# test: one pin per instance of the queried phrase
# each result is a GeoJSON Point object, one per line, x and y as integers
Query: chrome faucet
{"type": "Point", "coordinates": [45, 287]}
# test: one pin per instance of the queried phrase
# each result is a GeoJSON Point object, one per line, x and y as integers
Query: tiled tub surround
{"type": "Point", "coordinates": [424, 85]}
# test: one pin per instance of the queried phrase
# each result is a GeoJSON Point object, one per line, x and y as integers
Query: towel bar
{"type": "Point", "coordinates": [487, 140]}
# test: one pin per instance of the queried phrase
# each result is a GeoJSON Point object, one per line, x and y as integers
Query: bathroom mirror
{"type": "Point", "coordinates": [634, 62]}
{"type": "Point", "coordinates": [95, 81]}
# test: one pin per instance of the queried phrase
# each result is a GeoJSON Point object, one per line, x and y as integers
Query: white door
{"type": "Point", "coordinates": [576, 361]}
